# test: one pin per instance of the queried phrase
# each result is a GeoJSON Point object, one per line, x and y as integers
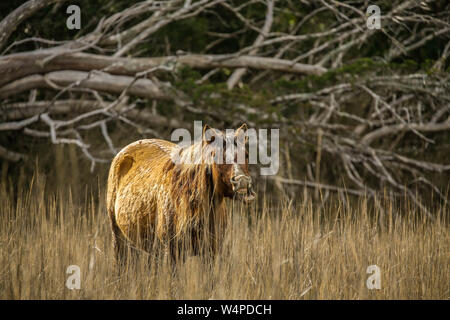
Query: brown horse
{"type": "Point", "coordinates": [154, 200]}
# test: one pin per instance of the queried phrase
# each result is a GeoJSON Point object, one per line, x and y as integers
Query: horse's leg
{"type": "Point", "coordinates": [126, 250]}
{"type": "Point", "coordinates": [119, 246]}
{"type": "Point", "coordinates": [153, 248]}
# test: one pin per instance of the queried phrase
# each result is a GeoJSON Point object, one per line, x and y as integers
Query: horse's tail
{"type": "Point", "coordinates": [120, 165]}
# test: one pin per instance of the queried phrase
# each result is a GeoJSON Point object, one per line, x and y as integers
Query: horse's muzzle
{"type": "Point", "coordinates": [242, 186]}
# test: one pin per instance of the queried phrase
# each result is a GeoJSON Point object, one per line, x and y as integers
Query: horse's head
{"type": "Point", "coordinates": [230, 166]}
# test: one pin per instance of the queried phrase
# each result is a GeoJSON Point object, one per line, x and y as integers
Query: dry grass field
{"type": "Point", "coordinates": [282, 251]}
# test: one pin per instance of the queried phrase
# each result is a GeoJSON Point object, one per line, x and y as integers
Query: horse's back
{"type": "Point", "coordinates": [139, 156]}
{"type": "Point", "coordinates": [145, 150]}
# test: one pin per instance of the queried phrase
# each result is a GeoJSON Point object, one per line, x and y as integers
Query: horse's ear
{"type": "Point", "coordinates": [243, 127]}
{"type": "Point", "coordinates": [208, 138]}
{"type": "Point", "coordinates": [240, 133]}
{"type": "Point", "coordinates": [205, 127]}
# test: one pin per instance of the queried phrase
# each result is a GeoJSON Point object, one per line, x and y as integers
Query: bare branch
{"type": "Point", "coordinates": [237, 74]}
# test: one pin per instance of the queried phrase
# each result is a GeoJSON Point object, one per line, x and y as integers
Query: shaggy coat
{"type": "Point", "coordinates": [153, 200]}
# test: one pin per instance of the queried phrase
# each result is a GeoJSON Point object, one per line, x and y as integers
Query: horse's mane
{"type": "Point", "coordinates": [193, 186]}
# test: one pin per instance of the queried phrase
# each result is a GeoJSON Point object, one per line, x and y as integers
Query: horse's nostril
{"type": "Point", "coordinates": [241, 177]}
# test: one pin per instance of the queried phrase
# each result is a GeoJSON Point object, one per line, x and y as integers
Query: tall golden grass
{"type": "Point", "coordinates": [284, 250]}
